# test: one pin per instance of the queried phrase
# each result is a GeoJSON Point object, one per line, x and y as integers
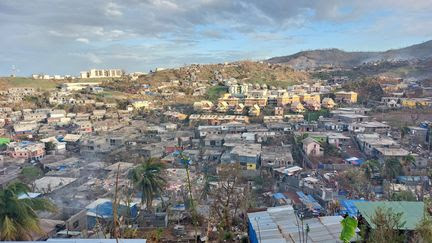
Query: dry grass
{"type": "Point", "coordinates": [408, 117]}
{"type": "Point", "coordinates": [43, 84]}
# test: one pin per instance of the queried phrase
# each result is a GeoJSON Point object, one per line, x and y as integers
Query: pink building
{"type": "Point", "coordinates": [26, 150]}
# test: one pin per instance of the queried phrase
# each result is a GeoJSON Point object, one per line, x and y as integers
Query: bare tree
{"type": "Point", "coordinates": [228, 200]}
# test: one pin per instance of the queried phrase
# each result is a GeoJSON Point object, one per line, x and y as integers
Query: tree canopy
{"type": "Point", "coordinates": [18, 218]}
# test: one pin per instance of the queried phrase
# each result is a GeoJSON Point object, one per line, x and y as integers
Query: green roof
{"type": "Point", "coordinates": [412, 212]}
{"type": "Point", "coordinates": [4, 141]}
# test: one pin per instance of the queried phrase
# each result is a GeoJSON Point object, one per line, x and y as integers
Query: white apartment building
{"type": "Point", "coordinates": [102, 73]}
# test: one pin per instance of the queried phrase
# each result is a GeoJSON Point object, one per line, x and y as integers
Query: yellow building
{"type": "Point", "coordinates": [287, 99]}
{"type": "Point", "coordinates": [346, 97]}
{"type": "Point", "coordinates": [255, 110]}
{"type": "Point", "coordinates": [239, 109]}
{"type": "Point", "coordinates": [328, 103]}
{"type": "Point", "coordinates": [249, 102]}
{"type": "Point", "coordinates": [143, 104]}
{"type": "Point", "coordinates": [409, 103]}
{"type": "Point", "coordinates": [204, 105]}
{"type": "Point", "coordinates": [278, 111]}
{"type": "Point", "coordinates": [222, 106]}
{"type": "Point", "coordinates": [310, 97]}
{"type": "Point", "coordinates": [231, 101]}
{"type": "Point", "coordinates": [313, 105]}
{"type": "Point", "coordinates": [414, 102]}
{"type": "Point", "coordinates": [424, 102]}
{"type": "Point", "coordinates": [294, 118]}
{"type": "Point", "coordinates": [297, 107]}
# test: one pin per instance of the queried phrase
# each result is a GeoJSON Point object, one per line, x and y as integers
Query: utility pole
{"type": "Point", "coordinates": [298, 227]}
{"type": "Point", "coordinates": [208, 228]}
{"type": "Point", "coordinates": [430, 138]}
{"type": "Point", "coordinates": [185, 160]}
{"type": "Point", "coordinates": [116, 229]}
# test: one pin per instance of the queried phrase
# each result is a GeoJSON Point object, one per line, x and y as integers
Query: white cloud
{"type": "Point", "coordinates": [83, 40]}
{"type": "Point", "coordinates": [93, 58]}
{"type": "Point", "coordinates": [113, 10]}
{"type": "Point", "coordinates": [118, 30]}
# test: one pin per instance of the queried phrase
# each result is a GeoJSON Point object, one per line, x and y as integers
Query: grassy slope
{"type": "Point", "coordinates": [44, 84]}
{"type": "Point", "coordinates": [253, 72]}
{"type": "Point", "coordinates": [215, 92]}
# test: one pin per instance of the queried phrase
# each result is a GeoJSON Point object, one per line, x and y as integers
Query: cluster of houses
{"type": "Point", "coordinates": [252, 99]}
{"type": "Point", "coordinates": [16, 94]}
{"type": "Point", "coordinates": [82, 152]}
{"type": "Point", "coordinates": [399, 102]}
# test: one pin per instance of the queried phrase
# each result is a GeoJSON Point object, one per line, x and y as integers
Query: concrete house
{"type": "Point", "coordinates": [26, 150]}
{"type": "Point", "coordinates": [297, 107]}
{"type": "Point", "coordinates": [328, 103]}
{"type": "Point", "coordinates": [255, 110]}
{"type": "Point", "coordinates": [214, 140]}
{"type": "Point", "coordinates": [312, 148]}
{"type": "Point", "coordinates": [313, 105]}
{"type": "Point", "coordinates": [346, 97]}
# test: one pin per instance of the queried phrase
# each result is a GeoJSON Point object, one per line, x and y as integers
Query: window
{"type": "Point", "coordinates": [75, 224]}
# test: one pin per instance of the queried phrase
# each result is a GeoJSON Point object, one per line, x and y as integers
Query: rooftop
{"type": "Point", "coordinates": [393, 151]}
{"type": "Point", "coordinates": [412, 212]}
{"type": "Point", "coordinates": [279, 224]}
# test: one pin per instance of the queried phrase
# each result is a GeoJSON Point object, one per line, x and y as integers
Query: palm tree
{"type": "Point", "coordinates": [206, 188]}
{"type": "Point", "coordinates": [404, 131]}
{"type": "Point", "coordinates": [147, 177]}
{"type": "Point", "coordinates": [370, 167]}
{"type": "Point", "coordinates": [409, 161]}
{"type": "Point", "coordinates": [392, 168]}
{"type": "Point", "coordinates": [18, 217]}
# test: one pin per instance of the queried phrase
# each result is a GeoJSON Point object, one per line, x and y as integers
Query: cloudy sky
{"type": "Point", "coordinates": [67, 36]}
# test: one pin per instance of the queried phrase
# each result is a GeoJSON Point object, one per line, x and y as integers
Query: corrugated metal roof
{"type": "Point", "coordinates": [279, 224]}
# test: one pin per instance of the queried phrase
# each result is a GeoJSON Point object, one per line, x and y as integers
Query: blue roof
{"type": "Point", "coordinates": [412, 178]}
{"type": "Point", "coordinates": [348, 206]}
{"type": "Point", "coordinates": [279, 196]}
{"type": "Point", "coordinates": [355, 161]}
{"type": "Point", "coordinates": [104, 209]}
{"type": "Point", "coordinates": [25, 143]}
{"type": "Point", "coordinates": [309, 201]}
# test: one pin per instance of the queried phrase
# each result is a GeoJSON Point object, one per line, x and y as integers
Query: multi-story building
{"type": "Point", "coordinates": [231, 101]}
{"type": "Point", "coordinates": [204, 105]}
{"type": "Point", "coordinates": [346, 97]}
{"type": "Point", "coordinates": [287, 99]}
{"type": "Point", "coordinates": [102, 73]}
{"type": "Point", "coordinates": [305, 97]}
{"type": "Point", "coordinates": [413, 102]}
{"type": "Point", "coordinates": [313, 105]}
{"type": "Point", "coordinates": [278, 111]}
{"type": "Point", "coordinates": [328, 103]}
{"type": "Point", "coordinates": [255, 110]}
{"type": "Point", "coordinates": [297, 107]}
{"type": "Point", "coordinates": [251, 101]}
{"type": "Point", "coordinates": [26, 150]}
{"type": "Point", "coordinates": [239, 89]}
{"type": "Point", "coordinates": [77, 86]}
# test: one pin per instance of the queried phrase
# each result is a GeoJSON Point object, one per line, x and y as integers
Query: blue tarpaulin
{"type": "Point", "coordinates": [104, 210]}
{"type": "Point", "coordinates": [354, 161]}
{"type": "Point", "coordinates": [310, 202]}
{"type": "Point", "coordinates": [348, 207]}
{"type": "Point", "coordinates": [279, 196]}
